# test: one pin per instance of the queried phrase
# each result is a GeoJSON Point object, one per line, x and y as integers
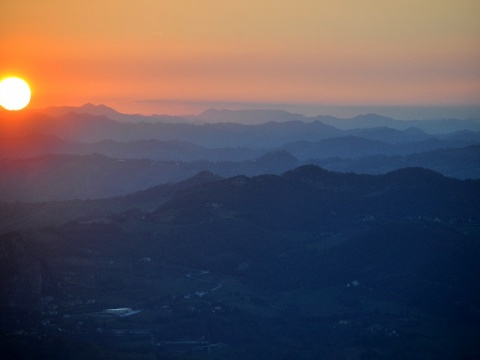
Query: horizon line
{"type": "Point", "coordinates": [308, 110]}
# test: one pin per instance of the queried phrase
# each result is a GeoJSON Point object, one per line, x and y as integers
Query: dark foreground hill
{"type": "Point", "coordinates": [311, 264]}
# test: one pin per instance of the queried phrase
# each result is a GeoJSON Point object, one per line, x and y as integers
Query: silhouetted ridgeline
{"type": "Point", "coordinates": [310, 197]}
{"type": "Point", "coordinates": [66, 177]}
{"type": "Point", "coordinates": [273, 128]}
{"type": "Point", "coordinates": [68, 153]}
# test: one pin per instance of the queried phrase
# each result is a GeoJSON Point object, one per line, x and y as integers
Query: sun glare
{"type": "Point", "coordinates": [14, 93]}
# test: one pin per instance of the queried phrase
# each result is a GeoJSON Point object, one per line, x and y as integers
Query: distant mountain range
{"type": "Point", "coordinates": [63, 177]}
{"type": "Point", "coordinates": [255, 117]}
{"type": "Point", "coordinates": [21, 147]}
{"type": "Point", "coordinates": [462, 163]}
{"type": "Point", "coordinates": [102, 110]}
{"type": "Point", "coordinates": [76, 125]}
{"type": "Point", "coordinates": [95, 152]}
{"type": "Point", "coordinates": [61, 121]}
{"type": "Point", "coordinates": [348, 144]}
{"type": "Point", "coordinates": [79, 127]}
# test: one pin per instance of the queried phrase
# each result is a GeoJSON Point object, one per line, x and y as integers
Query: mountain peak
{"type": "Point", "coordinates": [248, 116]}
{"type": "Point", "coordinates": [92, 107]}
{"type": "Point", "coordinates": [310, 173]}
{"type": "Point", "coordinates": [87, 108]}
{"type": "Point", "coordinates": [415, 173]}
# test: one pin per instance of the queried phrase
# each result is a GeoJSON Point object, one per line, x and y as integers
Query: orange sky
{"type": "Point", "coordinates": [336, 52]}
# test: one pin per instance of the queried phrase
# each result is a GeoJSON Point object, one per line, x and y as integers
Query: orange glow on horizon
{"type": "Point", "coordinates": [329, 52]}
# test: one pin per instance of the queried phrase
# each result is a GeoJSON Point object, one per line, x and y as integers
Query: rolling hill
{"type": "Point", "coordinates": [324, 262]}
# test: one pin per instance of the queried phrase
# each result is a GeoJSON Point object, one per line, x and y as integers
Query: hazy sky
{"type": "Point", "coordinates": [165, 55]}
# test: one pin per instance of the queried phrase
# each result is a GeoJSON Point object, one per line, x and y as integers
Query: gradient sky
{"type": "Point", "coordinates": [176, 55]}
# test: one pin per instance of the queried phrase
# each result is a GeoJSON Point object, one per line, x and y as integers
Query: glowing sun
{"type": "Point", "coordinates": [14, 93]}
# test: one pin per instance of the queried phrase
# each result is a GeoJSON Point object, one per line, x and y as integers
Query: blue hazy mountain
{"type": "Point", "coordinates": [433, 126]}
{"type": "Point", "coordinates": [80, 133]}
{"type": "Point", "coordinates": [62, 177]}
{"type": "Point", "coordinates": [462, 163]}
{"type": "Point", "coordinates": [253, 117]}
{"type": "Point", "coordinates": [177, 128]}
{"type": "Point", "coordinates": [250, 117]}
{"type": "Point", "coordinates": [102, 110]}
{"type": "Point", "coordinates": [364, 142]}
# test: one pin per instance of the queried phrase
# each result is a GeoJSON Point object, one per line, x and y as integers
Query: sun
{"type": "Point", "coordinates": [14, 93]}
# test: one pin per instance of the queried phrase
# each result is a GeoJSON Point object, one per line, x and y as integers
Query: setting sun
{"type": "Point", "coordinates": [14, 93]}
